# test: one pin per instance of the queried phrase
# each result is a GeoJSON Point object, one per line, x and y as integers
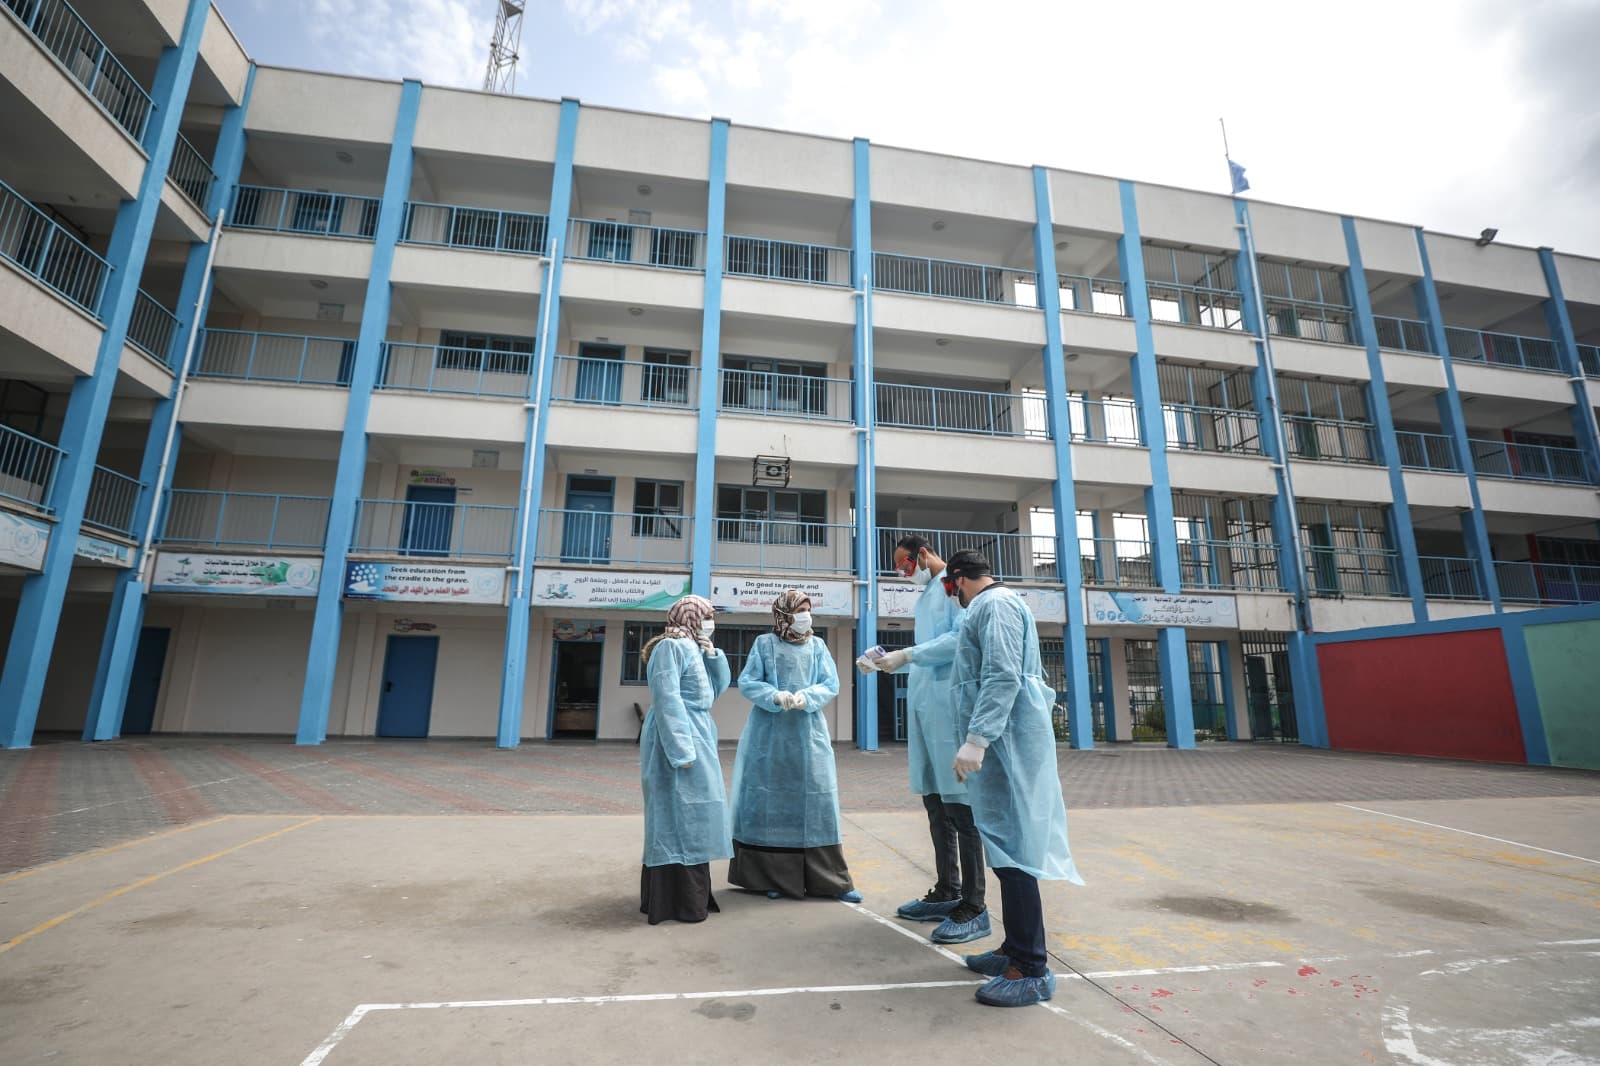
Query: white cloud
{"type": "Point", "coordinates": [442, 42]}
{"type": "Point", "coordinates": [681, 86]}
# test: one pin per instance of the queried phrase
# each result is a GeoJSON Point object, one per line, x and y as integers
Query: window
{"type": "Point", "coordinates": [751, 383]}
{"type": "Point", "coordinates": [772, 516]}
{"type": "Point", "coordinates": [635, 635]}
{"type": "Point", "coordinates": [658, 509]}
{"type": "Point", "coordinates": [666, 377]}
{"type": "Point", "coordinates": [489, 352]}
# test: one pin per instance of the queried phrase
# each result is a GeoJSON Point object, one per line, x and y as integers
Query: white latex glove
{"type": "Point", "coordinates": [782, 700]}
{"type": "Point", "coordinates": [797, 701]}
{"type": "Point", "coordinates": [866, 665]}
{"type": "Point", "coordinates": [894, 660]}
{"type": "Point", "coordinates": [968, 760]}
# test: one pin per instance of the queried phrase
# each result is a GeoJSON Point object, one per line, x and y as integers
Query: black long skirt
{"type": "Point", "coordinates": [795, 872]}
{"type": "Point", "coordinates": [676, 893]}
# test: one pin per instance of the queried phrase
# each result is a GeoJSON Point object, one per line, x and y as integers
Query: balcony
{"type": "Point", "coordinates": [1117, 562]}
{"type": "Point", "coordinates": [1099, 296]}
{"type": "Point", "coordinates": [112, 497]}
{"type": "Point", "coordinates": [1547, 583]}
{"type": "Point", "coordinates": [620, 383]}
{"type": "Point", "coordinates": [320, 214]}
{"type": "Point", "coordinates": [483, 229]}
{"type": "Point", "coordinates": [954, 280]}
{"type": "Point", "coordinates": [1333, 440]}
{"type": "Point", "coordinates": [65, 35]}
{"type": "Point", "coordinates": [1244, 565]}
{"type": "Point", "coordinates": [276, 358]}
{"type": "Point", "coordinates": [1503, 349]}
{"type": "Point", "coordinates": [1013, 556]}
{"type": "Point", "coordinates": [1196, 305]}
{"type": "Point", "coordinates": [992, 414]}
{"type": "Point", "coordinates": [190, 172]}
{"type": "Point", "coordinates": [152, 329]}
{"type": "Point", "coordinates": [1427, 451]}
{"type": "Point", "coordinates": [624, 242]}
{"type": "Point", "coordinates": [810, 399]}
{"type": "Point", "coordinates": [815, 264]}
{"type": "Point", "coordinates": [1335, 571]}
{"type": "Point", "coordinates": [38, 246]}
{"type": "Point", "coordinates": [27, 468]}
{"type": "Point", "coordinates": [1107, 421]}
{"type": "Point", "coordinates": [433, 530]}
{"type": "Point", "coordinates": [454, 371]}
{"type": "Point", "coordinates": [1449, 577]}
{"type": "Point", "coordinates": [1311, 320]}
{"type": "Point", "coordinates": [1529, 462]}
{"type": "Point", "coordinates": [245, 520]}
{"type": "Point", "coordinates": [765, 544]}
{"type": "Point", "coordinates": [1197, 428]}
{"type": "Point", "coordinates": [1403, 334]}
{"type": "Point", "coordinates": [1589, 358]}
{"type": "Point", "coordinates": [600, 538]}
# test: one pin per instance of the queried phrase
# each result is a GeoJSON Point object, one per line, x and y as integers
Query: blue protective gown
{"type": "Point", "coordinates": [685, 806]}
{"type": "Point", "coordinates": [931, 739]}
{"type": "Point", "coordinates": [1001, 696]}
{"type": "Point", "coordinates": [785, 785]}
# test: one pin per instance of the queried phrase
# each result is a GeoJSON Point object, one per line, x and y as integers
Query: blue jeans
{"type": "Point", "coordinates": [1023, 915]}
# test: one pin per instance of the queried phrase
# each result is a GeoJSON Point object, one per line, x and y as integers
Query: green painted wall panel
{"type": "Point", "coordinates": [1566, 674]}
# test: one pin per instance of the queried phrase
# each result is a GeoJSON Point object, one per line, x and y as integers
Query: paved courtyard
{"type": "Point", "coordinates": [175, 900]}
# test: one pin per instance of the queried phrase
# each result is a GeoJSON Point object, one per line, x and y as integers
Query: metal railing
{"type": "Point", "coordinates": [112, 498]}
{"type": "Point", "coordinates": [1196, 305]}
{"type": "Point", "coordinates": [39, 246]}
{"type": "Point", "coordinates": [190, 172]}
{"type": "Point", "coordinates": [454, 371]}
{"type": "Point", "coordinates": [28, 468]}
{"type": "Point", "coordinates": [1229, 564]}
{"type": "Point", "coordinates": [1196, 428]}
{"type": "Point", "coordinates": [1312, 321]}
{"type": "Point", "coordinates": [1334, 571]}
{"type": "Point", "coordinates": [758, 257]}
{"type": "Point", "coordinates": [1503, 349]}
{"type": "Point", "coordinates": [954, 280]}
{"type": "Point", "coordinates": [1100, 296]}
{"type": "Point", "coordinates": [450, 226]}
{"type": "Point", "coordinates": [244, 519]}
{"type": "Point", "coordinates": [1589, 359]}
{"type": "Point", "coordinates": [65, 35]}
{"type": "Point", "coordinates": [626, 242]}
{"type": "Point", "coordinates": [322, 214]}
{"type": "Point", "coordinates": [764, 544]}
{"type": "Point", "coordinates": [1403, 334]}
{"type": "Point", "coordinates": [1449, 577]}
{"type": "Point", "coordinates": [812, 399]}
{"type": "Point", "coordinates": [1529, 462]}
{"type": "Point", "coordinates": [994, 414]}
{"type": "Point", "coordinates": [1548, 583]}
{"type": "Point", "coordinates": [625, 383]}
{"type": "Point", "coordinates": [434, 530]}
{"type": "Point", "coordinates": [1330, 439]}
{"type": "Point", "coordinates": [1014, 556]}
{"type": "Point", "coordinates": [281, 358]}
{"type": "Point", "coordinates": [599, 538]}
{"type": "Point", "coordinates": [152, 328]}
{"type": "Point", "coordinates": [1117, 561]}
{"type": "Point", "coordinates": [1104, 421]}
{"type": "Point", "coordinates": [1427, 451]}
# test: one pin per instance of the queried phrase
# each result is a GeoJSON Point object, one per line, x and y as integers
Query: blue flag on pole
{"type": "Point", "coordinates": [1236, 174]}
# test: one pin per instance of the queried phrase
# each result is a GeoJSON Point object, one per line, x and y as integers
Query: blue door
{"type": "Point", "coordinates": [144, 683]}
{"type": "Point", "coordinates": [586, 526]}
{"type": "Point", "coordinates": [429, 517]}
{"type": "Point", "coordinates": [407, 701]}
{"type": "Point", "coordinates": [599, 374]}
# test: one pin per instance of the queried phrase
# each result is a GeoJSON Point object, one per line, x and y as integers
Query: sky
{"type": "Point", "coordinates": [1452, 114]}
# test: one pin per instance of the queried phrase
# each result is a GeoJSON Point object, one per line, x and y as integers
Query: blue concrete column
{"type": "Point", "coordinates": [39, 613]}
{"type": "Point", "coordinates": [1064, 493]}
{"type": "Point", "coordinates": [1474, 528]}
{"type": "Point", "coordinates": [866, 487]}
{"type": "Point", "coordinates": [121, 639]}
{"type": "Point", "coordinates": [1232, 705]}
{"type": "Point", "coordinates": [541, 376]}
{"type": "Point", "coordinates": [1171, 642]}
{"type": "Point", "coordinates": [1405, 537]}
{"type": "Point", "coordinates": [328, 621]}
{"type": "Point", "coordinates": [1560, 322]}
{"type": "Point", "coordinates": [705, 458]}
{"type": "Point", "coordinates": [1108, 691]}
{"type": "Point", "coordinates": [1306, 675]}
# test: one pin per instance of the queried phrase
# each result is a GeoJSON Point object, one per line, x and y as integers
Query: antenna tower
{"type": "Point", "coordinates": [501, 77]}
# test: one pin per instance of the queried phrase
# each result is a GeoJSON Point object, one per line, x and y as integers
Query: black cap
{"type": "Point", "coordinates": [968, 562]}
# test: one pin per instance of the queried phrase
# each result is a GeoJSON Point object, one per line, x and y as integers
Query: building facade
{"type": "Point", "coordinates": [331, 406]}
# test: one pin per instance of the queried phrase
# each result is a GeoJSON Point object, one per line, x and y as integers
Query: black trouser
{"type": "Point", "coordinates": [1023, 915]}
{"type": "Point", "coordinates": [955, 834]}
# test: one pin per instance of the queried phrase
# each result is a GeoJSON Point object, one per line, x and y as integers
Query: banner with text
{"type": "Point", "coordinates": [23, 541]}
{"type": "Point", "coordinates": [898, 599]}
{"type": "Point", "coordinates": [754, 595]}
{"type": "Point", "coordinates": [1160, 609]}
{"type": "Point", "coordinates": [602, 588]}
{"type": "Point", "coordinates": [424, 583]}
{"type": "Point", "coordinates": [248, 575]}
{"type": "Point", "coordinates": [93, 549]}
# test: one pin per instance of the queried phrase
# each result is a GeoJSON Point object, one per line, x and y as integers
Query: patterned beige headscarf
{"type": "Point", "coordinates": [683, 620]}
{"type": "Point", "coordinates": [783, 611]}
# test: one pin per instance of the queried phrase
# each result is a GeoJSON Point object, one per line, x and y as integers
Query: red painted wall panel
{"type": "Point", "coordinates": [1445, 694]}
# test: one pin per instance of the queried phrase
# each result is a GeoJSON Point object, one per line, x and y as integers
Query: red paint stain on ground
{"type": "Point", "coordinates": [1292, 991]}
{"type": "Point", "coordinates": [1160, 993]}
{"type": "Point", "coordinates": [1336, 984]}
{"type": "Point", "coordinates": [1258, 982]}
{"type": "Point", "coordinates": [1307, 971]}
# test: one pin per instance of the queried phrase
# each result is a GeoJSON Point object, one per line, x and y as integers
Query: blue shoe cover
{"type": "Point", "coordinates": [773, 893]}
{"type": "Point", "coordinates": [1023, 992]}
{"type": "Point", "coordinates": [851, 896]}
{"type": "Point", "coordinates": [990, 963]}
{"type": "Point", "coordinates": [950, 931]}
{"type": "Point", "coordinates": [922, 910]}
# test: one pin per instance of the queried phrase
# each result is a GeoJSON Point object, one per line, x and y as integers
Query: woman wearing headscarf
{"type": "Point", "coordinates": [785, 785]}
{"type": "Point", "coordinates": [685, 805]}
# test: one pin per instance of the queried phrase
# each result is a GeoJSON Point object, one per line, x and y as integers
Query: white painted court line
{"type": "Point", "coordinates": [1470, 833]}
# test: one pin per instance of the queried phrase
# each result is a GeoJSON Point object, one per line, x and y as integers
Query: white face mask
{"type": "Point", "coordinates": [801, 623]}
{"type": "Point", "coordinates": [707, 628]}
{"type": "Point", "coordinates": [921, 576]}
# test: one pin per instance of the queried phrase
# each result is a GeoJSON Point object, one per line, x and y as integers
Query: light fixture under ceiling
{"type": "Point", "coordinates": [1061, 246]}
{"type": "Point", "coordinates": [344, 157]}
{"type": "Point", "coordinates": [643, 190]}
{"type": "Point", "coordinates": [942, 341]}
{"type": "Point", "coordinates": [1486, 236]}
{"type": "Point", "coordinates": [1072, 357]}
{"type": "Point", "coordinates": [635, 311]}
{"type": "Point", "coordinates": [938, 225]}
{"type": "Point", "coordinates": [318, 284]}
